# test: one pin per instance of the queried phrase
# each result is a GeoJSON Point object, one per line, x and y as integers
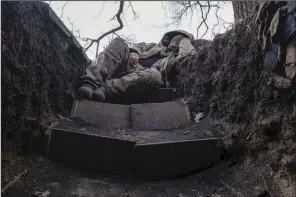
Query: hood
{"type": "Point", "coordinates": [171, 34]}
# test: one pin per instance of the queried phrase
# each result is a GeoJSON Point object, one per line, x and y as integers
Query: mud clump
{"type": "Point", "coordinates": [228, 76]}
{"type": "Point", "coordinates": [40, 69]}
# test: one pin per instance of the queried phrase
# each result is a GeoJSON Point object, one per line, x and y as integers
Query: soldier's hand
{"type": "Point", "coordinates": [164, 52]}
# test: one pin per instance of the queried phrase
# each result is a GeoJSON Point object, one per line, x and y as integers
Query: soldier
{"type": "Point", "coordinates": [277, 36]}
{"type": "Point", "coordinates": [139, 68]}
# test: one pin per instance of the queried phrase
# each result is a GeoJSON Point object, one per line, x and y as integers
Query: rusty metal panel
{"type": "Point", "coordinates": [169, 160]}
{"type": "Point", "coordinates": [103, 154]}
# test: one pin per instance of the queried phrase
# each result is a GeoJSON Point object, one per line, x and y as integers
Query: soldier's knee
{"type": "Point", "coordinates": [155, 76]}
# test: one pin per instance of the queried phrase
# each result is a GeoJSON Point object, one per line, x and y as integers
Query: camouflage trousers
{"type": "Point", "coordinates": [113, 70]}
{"type": "Point", "coordinates": [285, 74]}
{"type": "Point", "coordinates": [290, 61]}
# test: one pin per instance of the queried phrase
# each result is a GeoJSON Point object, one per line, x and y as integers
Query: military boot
{"type": "Point", "coordinates": [280, 82]}
{"type": "Point", "coordinates": [99, 94]}
{"type": "Point", "coordinates": [85, 91]}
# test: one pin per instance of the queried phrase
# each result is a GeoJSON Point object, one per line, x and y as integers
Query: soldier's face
{"type": "Point", "coordinates": [173, 44]}
{"type": "Point", "coordinates": [166, 40]}
{"type": "Point", "coordinates": [134, 57]}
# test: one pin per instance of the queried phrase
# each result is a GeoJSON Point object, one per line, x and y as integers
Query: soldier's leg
{"type": "Point", "coordinates": [112, 62]}
{"type": "Point", "coordinates": [290, 65]}
{"type": "Point", "coordinates": [139, 82]}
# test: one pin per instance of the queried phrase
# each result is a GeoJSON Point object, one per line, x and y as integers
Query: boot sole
{"type": "Point", "coordinates": [85, 93]}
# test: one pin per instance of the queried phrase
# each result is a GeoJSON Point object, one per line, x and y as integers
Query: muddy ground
{"type": "Point", "coordinates": [189, 132]}
{"type": "Point", "coordinates": [43, 175]}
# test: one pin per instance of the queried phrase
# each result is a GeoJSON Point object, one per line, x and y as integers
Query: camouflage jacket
{"type": "Point", "coordinates": [166, 59]}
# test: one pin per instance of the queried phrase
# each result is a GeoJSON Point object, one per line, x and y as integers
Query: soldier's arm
{"type": "Point", "coordinates": [185, 49]}
{"type": "Point", "coordinates": [142, 47]}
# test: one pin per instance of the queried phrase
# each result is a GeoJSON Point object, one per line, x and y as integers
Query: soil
{"type": "Point", "coordinates": [61, 181]}
{"type": "Point", "coordinates": [41, 68]}
{"type": "Point", "coordinates": [228, 77]}
{"type": "Point", "coordinates": [141, 137]}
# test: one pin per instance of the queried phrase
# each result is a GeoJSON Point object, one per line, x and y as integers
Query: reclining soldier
{"type": "Point", "coordinates": [140, 68]}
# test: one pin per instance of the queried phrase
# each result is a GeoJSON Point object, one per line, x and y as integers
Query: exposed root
{"type": "Point", "coordinates": [14, 181]}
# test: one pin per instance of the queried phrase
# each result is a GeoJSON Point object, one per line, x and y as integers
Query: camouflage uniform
{"type": "Point", "coordinates": [277, 36]}
{"type": "Point", "coordinates": [283, 33]}
{"type": "Point", "coordinates": [113, 70]}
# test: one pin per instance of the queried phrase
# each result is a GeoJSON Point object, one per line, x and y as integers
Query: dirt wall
{"type": "Point", "coordinates": [41, 66]}
{"type": "Point", "coordinates": [228, 76]}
